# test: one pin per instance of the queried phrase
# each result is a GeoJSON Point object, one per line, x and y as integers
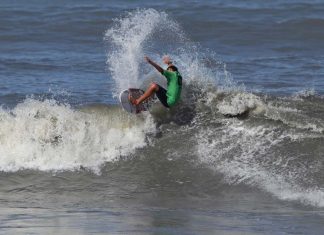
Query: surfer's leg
{"type": "Point", "coordinates": [148, 93]}
{"type": "Point", "coordinates": [161, 95]}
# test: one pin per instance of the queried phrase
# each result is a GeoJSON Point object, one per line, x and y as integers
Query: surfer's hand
{"type": "Point", "coordinates": [148, 60]}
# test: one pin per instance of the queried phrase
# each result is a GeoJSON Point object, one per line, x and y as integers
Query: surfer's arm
{"type": "Point", "coordinates": [158, 68]}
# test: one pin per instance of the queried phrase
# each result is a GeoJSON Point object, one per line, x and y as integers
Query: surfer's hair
{"type": "Point", "coordinates": [173, 68]}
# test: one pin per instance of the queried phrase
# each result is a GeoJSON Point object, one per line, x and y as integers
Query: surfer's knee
{"type": "Point", "coordinates": [154, 86]}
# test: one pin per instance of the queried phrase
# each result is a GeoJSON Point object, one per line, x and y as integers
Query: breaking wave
{"type": "Point", "coordinates": [271, 143]}
{"type": "Point", "coordinates": [45, 135]}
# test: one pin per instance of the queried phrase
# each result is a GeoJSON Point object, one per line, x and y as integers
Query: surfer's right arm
{"type": "Point", "coordinates": [158, 68]}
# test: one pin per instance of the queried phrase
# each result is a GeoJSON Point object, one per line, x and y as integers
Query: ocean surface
{"type": "Point", "coordinates": [242, 153]}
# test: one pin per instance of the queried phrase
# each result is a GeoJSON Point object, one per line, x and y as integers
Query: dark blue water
{"type": "Point", "coordinates": [242, 154]}
{"type": "Point", "coordinates": [274, 47]}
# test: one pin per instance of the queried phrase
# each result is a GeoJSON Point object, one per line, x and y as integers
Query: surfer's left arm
{"type": "Point", "coordinates": [155, 65]}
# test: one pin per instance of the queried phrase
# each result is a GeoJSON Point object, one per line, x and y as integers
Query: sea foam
{"type": "Point", "coordinates": [44, 135]}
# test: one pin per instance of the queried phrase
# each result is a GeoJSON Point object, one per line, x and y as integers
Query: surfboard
{"type": "Point", "coordinates": [128, 106]}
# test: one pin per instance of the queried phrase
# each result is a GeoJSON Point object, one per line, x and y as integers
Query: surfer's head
{"type": "Point", "coordinates": [172, 68]}
{"type": "Point", "coordinates": [167, 60]}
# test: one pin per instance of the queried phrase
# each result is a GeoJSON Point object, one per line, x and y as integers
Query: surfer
{"type": "Point", "coordinates": [170, 96]}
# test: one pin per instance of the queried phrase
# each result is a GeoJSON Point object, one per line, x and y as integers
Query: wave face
{"type": "Point", "coordinates": [276, 149]}
{"type": "Point", "coordinates": [273, 144]}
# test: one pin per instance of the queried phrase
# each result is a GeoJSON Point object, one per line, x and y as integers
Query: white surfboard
{"type": "Point", "coordinates": [127, 105]}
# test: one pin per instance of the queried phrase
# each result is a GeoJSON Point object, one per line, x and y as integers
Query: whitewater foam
{"type": "Point", "coordinates": [44, 135]}
{"type": "Point", "coordinates": [239, 103]}
{"type": "Point", "coordinates": [243, 154]}
{"type": "Point", "coordinates": [294, 118]}
{"type": "Point", "coordinates": [304, 94]}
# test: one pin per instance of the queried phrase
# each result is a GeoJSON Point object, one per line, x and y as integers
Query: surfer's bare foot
{"type": "Point", "coordinates": [132, 100]}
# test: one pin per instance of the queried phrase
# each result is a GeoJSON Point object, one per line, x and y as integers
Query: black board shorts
{"type": "Point", "coordinates": [161, 95]}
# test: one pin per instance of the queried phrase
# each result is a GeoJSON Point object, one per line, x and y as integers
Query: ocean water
{"type": "Point", "coordinates": [241, 154]}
